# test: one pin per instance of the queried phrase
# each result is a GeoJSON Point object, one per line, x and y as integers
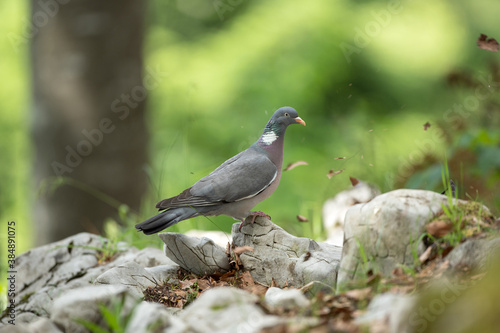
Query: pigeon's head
{"type": "Point", "coordinates": [277, 125]}
{"type": "Point", "coordinates": [286, 116]}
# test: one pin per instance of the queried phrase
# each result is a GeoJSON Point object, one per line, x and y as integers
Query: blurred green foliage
{"type": "Point", "coordinates": [230, 64]}
{"type": "Point", "coordinates": [15, 195]}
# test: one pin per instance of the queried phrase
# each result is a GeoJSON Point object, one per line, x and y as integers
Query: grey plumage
{"type": "Point", "coordinates": [236, 186]}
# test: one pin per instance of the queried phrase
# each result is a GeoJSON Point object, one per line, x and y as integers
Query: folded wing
{"type": "Point", "coordinates": [241, 177]}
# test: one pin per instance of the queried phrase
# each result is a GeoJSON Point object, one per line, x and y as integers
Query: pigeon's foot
{"type": "Point", "coordinates": [254, 216]}
{"type": "Point", "coordinates": [258, 213]}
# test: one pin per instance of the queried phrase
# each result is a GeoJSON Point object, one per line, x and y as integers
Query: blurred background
{"type": "Point", "coordinates": [107, 107]}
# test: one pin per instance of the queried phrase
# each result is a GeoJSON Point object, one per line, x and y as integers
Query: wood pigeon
{"type": "Point", "coordinates": [236, 186]}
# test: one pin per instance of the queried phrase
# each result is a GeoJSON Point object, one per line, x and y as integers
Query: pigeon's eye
{"type": "Point", "coordinates": [286, 114]}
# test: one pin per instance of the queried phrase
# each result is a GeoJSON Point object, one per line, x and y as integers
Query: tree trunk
{"type": "Point", "coordinates": [88, 112]}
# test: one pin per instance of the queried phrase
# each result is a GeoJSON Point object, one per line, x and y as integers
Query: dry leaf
{"type": "Point", "coordinates": [340, 158]}
{"type": "Point", "coordinates": [332, 173]}
{"type": "Point", "coordinates": [424, 256]}
{"type": "Point", "coordinates": [295, 164]}
{"type": "Point", "coordinates": [246, 281]}
{"type": "Point", "coordinates": [354, 181]}
{"type": "Point", "coordinates": [359, 293]}
{"type": "Point", "coordinates": [185, 284]}
{"type": "Point", "coordinates": [488, 44]}
{"type": "Point", "coordinates": [438, 228]}
{"type": "Point", "coordinates": [237, 251]}
{"type": "Point", "coordinates": [398, 271]}
{"type": "Point", "coordinates": [308, 287]}
{"type": "Point", "coordinates": [426, 126]}
{"type": "Point", "coordinates": [302, 218]}
{"type": "Point", "coordinates": [242, 249]}
{"type": "Point", "coordinates": [203, 284]}
{"type": "Point", "coordinates": [228, 276]}
{"type": "Point", "coordinates": [259, 290]}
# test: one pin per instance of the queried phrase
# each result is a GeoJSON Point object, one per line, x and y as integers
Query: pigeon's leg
{"type": "Point", "coordinates": [254, 216]}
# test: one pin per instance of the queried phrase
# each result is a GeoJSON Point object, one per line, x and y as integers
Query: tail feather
{"type": "Point", "coordinates": [166, 219]}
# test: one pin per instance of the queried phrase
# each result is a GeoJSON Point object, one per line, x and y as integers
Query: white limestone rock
{"type": "Point", "coordinates": [199, 256]}
{"type": "Point", "coordinates": [285, 258]}
{"type": "Point", "coordinates": [386, 230]}
{"type": "Point", "coordinates": [136, 278]}
{"type": "Point", "coordinates": [226, 309]}
{"type": "Point", "coordinates": [390, 311]}
{"type": "Point", "coordinates": [286, 298]}
{"type": "Point", "coordinates": [83, 304]}
{"type": "Point", "coordinates": [149, 317]}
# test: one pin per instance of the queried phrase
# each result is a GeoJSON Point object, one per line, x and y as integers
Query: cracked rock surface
{"type": "Point", "coordinates": [285, 258]}
{"type": "Point", "coordinates": [136, 278]}
{"type": "Point", "coordinates": [46, 272]}
{"type": "Point", "coordinates": [388, 227]}
{"type": "Point", "coordinates": [49, 271]}
{"type": "Point", "coordinates": [83, 303]}
{"type": "Point", "coordinates": [199, 256]}
{"type": "Point", "coordinates": [475, 254]}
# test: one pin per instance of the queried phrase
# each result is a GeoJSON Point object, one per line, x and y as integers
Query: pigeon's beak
{"type": "Point", "coordinates": [300, 121]}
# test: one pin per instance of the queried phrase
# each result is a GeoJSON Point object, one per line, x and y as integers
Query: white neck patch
{"type": "Point", "coordinates": [269, 137]}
